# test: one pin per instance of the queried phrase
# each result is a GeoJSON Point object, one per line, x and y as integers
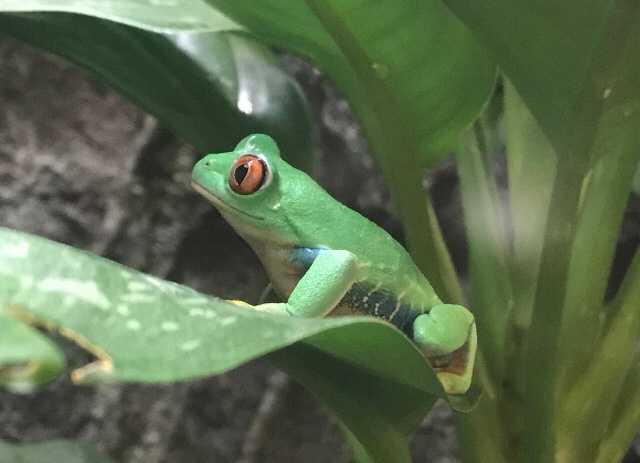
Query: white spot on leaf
{"type": "Point", "coordinates": [136, 286]}
{"type": "Point", "coordinates": [190, 345]}
{"type": "Point", "coordinates": [86, 291]}
{"type": "Point", "coordinates": [133, 325]}
{"type": "Point", "coordinates": [123, 310]}
{"type": "Point", "coordinates": [193, 300]}
{"type": "Point", "coordinates": [227, 321]}
{"type": "Point", "coordinates": [137, 297]}
{"type": "Point", "coordinates": [169, 326]}
{"type": "Point", "coordinates": [17, 250]}
{"type": "Point", "coordinates": [26, 281]}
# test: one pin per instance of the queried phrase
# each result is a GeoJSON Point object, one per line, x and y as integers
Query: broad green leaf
{"type": "Point", "coordinates": [211, 89]}
{"type": "Point", "coordinates": [569, 60]}
{"type": "Point", "coordinates": [158, 15]}
{"type": "Point", "coordinates": [27, 358]}
{"type": "Point", "coordinates": [417, 54]}
{"type": "Point", "coordinates": [144, 329]}
{"type": "Point", "coordinates": [56, 451]}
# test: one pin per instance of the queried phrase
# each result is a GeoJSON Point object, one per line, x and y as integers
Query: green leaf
{"type": "Point", "coordinates": [27, 358]}
{"type": "Point", "coordinates": [57, 451]}
{"type": "Point", "coordinates": [211, 89]}
{"type": "Point", "coordinates": [144, 329]}
{"type": "Point", "coordinates": [158, 15]}
{"type": "Point", "coordinates": [568, 60]}
{"type": "Point", "coordinates": [417, 54]}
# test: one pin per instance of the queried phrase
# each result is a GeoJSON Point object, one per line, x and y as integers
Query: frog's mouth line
{"type": "Point", "coordinates": [218, 202]}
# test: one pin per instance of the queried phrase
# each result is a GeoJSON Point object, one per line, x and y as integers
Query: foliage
{"type": "Point", "coordinates": [418, 75]}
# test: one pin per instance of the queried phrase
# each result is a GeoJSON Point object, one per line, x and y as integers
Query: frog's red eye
{"type": "Point", "coordinates": [248, 174]}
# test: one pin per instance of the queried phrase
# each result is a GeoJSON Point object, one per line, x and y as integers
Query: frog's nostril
{"type": "Point", "coordinates": [207, 163]}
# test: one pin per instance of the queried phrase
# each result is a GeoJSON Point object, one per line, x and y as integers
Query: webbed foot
{"type": "Point", "coordinates": [279, 308]}
{"type": "Point", "coordinates": [447, 336]}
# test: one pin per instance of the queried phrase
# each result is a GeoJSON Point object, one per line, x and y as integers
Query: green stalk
{"type": "Point", "coordinates": [588, 407]}
{"type": "Point", "coordinates": [392, 132]}
{"type": "Point", "coordinates": [625, 421]}
{"type": "Point", "coordinates": [605, 114]}
{"type": "Point", "coordinates": [543, 338]}
{"type": "Point", "coordinates": [482, 432]}
{"type": "Point", "coordinates": [488, 248]}
{"type": "Point", "coordinates": [576, 155]}
{"type": "Point", "coordinates": [602, 207]}
{"type": "Point", "coordinates": [531, 164]}
{"type": "Point", "coordinates": [542, 347]}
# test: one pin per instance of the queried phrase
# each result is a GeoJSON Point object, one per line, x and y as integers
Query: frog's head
{"type": "Point", "coordinates": [246, 185]}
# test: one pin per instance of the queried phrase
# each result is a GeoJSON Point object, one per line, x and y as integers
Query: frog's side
{"type": "Point", "coordinates": [325, 258]}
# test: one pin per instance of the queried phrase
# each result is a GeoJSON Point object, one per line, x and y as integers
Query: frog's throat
{"type": "Point", "coordinates": [218, 203]}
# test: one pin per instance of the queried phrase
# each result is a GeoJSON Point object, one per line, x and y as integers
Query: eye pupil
{"type": "Point", "coordinates": [241, 172]}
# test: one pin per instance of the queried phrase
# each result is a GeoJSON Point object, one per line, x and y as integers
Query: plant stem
{"type": "Point", "coordinates": [482, 433]}
{"type": "Point", "coordinates": [392, 133]}
{"type": "Point", "coordinates": [488, 256]}
{"type": "Point", "coordinates": [624, 422]}
{"type": "Point", "coordinates": [531, 167]}
{"type": "Point", "coordinates": [587, 408]}
{"type": "Point", "coordinates": [602, 206]}
{"type": "Point", "coordinates": [542, 349]}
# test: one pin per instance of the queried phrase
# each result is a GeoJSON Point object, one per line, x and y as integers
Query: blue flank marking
{"type": "Point", "coordinates": [304, 257]}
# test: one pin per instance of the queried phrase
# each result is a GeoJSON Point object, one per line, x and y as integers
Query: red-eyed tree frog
{"type": "Point", "coordinates": [324, 258]}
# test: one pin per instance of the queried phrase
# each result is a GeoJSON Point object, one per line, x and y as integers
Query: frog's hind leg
{"type": "Point", "coordinates": [447, 336]}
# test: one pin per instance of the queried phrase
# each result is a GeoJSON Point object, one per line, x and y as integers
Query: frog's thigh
{"type": "Point", "coordinates": [326, 282]}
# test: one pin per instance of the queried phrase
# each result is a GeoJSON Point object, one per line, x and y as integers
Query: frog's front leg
{"type": "Point", "coordinates": [330, 276]}
{"type": "Point", "coordinates": [447, 336]}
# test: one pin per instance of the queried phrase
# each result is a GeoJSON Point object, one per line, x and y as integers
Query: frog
{"type": "Point", "coordinates": [325, 259]}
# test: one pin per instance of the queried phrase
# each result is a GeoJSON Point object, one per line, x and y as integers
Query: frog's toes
{"type": "Point", "coordinates": [447, 336]}
{"type": "Point", "coordinates": [239, 302]}
{"type": "Point", "coordinates": [443, 329]}
{"type": "Point", "coordinates": [276, 308]}
{"type": "Point", "coordinates": [279, 308]}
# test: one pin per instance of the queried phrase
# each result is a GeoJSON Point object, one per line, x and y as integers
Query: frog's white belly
{"type": "Point", "coordinates": [278, 263]}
